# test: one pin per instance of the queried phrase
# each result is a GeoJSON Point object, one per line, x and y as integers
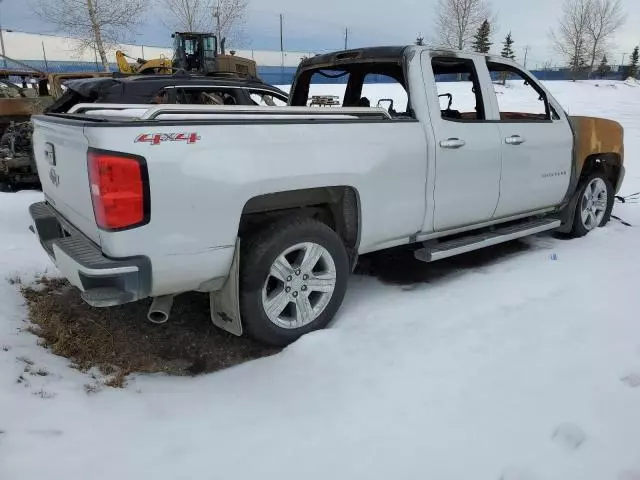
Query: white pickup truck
{"type": "Point", "coordinates": [268, 208]}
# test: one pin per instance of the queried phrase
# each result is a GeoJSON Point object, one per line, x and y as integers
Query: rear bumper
{"type": "Point", "coordinates": [103, 281]}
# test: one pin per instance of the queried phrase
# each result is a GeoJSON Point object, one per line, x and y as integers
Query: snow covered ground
{"type": "Point", "coordinates": [523, 367]}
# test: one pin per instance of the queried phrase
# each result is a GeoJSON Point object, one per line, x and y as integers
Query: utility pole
{"type": "Point", "coordinates": [216, 13]}
{"type": "Point", "coordinates": [623, 55]}
{"type": "Point", "coordinates": [281, 34]}
{"type": "Point", "coordinates": [281, 48]}
{"type": "Point", "coordinates": [4, 59]}
{"type": "Point", "coordinates": [141, 43]}
{"type": "Point", "coordinates": [346, 38]}
{"type": "Point", "coordinates": [44, 55]}
{"type": "Point", "coordinates": [526, 54]}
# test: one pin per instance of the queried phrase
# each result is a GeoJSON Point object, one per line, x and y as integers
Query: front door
{"type": "Point", "coordinates": [468, 163]}
{"type": "Point", "coordinates": [537, 143]}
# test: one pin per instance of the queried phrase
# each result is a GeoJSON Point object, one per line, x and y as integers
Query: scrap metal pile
{"type": "Point", "coordinates": [17, 166]}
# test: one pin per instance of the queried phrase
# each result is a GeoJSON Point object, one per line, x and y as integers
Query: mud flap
{"type": "Point", "coordinates": [568, 214]}
{"type": "Point", "coordinates": [225, 303]}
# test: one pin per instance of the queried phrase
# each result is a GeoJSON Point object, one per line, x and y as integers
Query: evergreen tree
{"type": "Point", "coordinates": [420, 41]}
{"type": "Point", "coordinates": [635, 60]}
{"type": "Point", "coordinates": [577, 65]}
{"type": "Point", "coordinates": [507, 50]}
{"type": "Point", "coordinates": [481, 42]}
{"type": "Point", "coordinates": [604, 68]}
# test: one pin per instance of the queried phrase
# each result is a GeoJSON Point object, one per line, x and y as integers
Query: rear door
{"type": "Point", "coordinates": [61, 156]}
{"type": "Point", "coordinates": [467, 169]}
{"type": "Point", "coordinates": [537, 142]}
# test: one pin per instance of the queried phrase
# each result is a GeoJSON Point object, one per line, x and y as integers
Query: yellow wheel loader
{"type": "Point", "coordinates": [192, 53]}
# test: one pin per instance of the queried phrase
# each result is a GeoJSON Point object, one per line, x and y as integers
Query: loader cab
{"type": "Point", "coordinates": [195, 52]}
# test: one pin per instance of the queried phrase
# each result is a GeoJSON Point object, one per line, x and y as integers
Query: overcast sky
{"type": "Point", "coordinates": [319, 25]}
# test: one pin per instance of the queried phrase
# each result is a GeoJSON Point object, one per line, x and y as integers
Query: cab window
{"type": "Point", "coordinates": [519, 98]}
{"type": "Point", "coordinates": [459, 90]}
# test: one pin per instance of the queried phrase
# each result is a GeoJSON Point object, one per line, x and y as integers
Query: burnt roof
{"type": "Point", "coordinates": [214, 79]}
{"type": "Point", "coordinates": [390, 53]}
{"type": "Point", "coordinates": [157, 82]}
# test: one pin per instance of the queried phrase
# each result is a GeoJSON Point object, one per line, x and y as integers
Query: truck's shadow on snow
{"type": "Point", "coordinates": [399, 266]}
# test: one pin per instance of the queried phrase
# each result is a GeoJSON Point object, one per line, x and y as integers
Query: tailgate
{"type": "Point", "coordinates": [60, 150]}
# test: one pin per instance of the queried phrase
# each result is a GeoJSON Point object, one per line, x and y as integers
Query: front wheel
{"type": "Point", "coordinates": [593, 209]}
{"type": "Point", "coordinates": [293, 280]}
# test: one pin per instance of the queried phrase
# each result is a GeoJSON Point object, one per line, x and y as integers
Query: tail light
{"type": "Point", "coordinates": [119, 189]}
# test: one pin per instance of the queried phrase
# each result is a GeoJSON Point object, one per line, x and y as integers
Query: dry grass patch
{"type": "Point", "coordinates": [119, 340]}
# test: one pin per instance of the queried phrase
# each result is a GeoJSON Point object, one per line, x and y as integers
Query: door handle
{"type": "Point", "coordinates": [514, 140]}
{"type": "Point", "coordinates": [452, 143]}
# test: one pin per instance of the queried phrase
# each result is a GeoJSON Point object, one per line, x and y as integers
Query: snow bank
{"type": "Point", "coordinates": [632, 82]}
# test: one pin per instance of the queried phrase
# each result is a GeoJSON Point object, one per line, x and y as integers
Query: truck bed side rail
{"type": "Point", "coordinates": [159, 112]}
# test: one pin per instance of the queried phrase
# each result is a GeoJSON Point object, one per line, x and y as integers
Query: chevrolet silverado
{"type": "Point", "coordinates": [268, 209]}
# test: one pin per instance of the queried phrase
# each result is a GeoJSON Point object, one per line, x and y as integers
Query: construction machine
{"type": "Point", "coordinates": [192, 53]}
{"type": "Point", "coordinates": [142, 66]}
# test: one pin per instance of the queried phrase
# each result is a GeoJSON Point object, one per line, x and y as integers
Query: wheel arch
{"type": "Point", "coordinates": [610, 163]}
{"type": "Point", "coordinates": [336, 206]}
{"type": "Point", "coordinates": [610, 167]}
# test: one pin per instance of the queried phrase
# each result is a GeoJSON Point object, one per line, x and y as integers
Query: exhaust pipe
{"type": "Point", "coordinates": [160, 309]}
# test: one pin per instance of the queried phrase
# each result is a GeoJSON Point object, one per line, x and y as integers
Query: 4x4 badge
{"type": "Point", "coordinates": [158, 138]}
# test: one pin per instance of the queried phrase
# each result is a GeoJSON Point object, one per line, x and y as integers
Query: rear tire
{"type": "Point", "coordinates": [293, 278]}
{"type": "Point", "coordinates": [594, 204]}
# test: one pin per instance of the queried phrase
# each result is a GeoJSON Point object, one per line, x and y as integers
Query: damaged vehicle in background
{"type": "Point", "coordinates": [17, 167]}
{"type": "Point", "coordinates": [37, 93]}
{"type": "Point", "coordinates": [17, 104]}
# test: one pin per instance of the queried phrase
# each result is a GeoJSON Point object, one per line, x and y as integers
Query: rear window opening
{"type": "Point", "coordinates": [363, 84]}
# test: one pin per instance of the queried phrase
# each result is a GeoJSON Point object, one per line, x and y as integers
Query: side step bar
{"type": "Point", "coordinates": [451, 248]}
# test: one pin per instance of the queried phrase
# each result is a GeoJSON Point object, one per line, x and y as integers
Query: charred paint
{"type": "Point", "coordinates": [597, 136]}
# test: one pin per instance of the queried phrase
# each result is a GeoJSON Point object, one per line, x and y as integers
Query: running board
{"type": "Point", "coordinates": [451, 248]}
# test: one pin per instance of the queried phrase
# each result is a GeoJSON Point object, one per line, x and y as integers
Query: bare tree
{"type": "Point", "coordinates": [96, 24]}
{"type": "Point", "coordinates": [571, 39]}
{"type": "Point", "coordinates": [605, 18]}
{"type": "Point", "coordinates": [457, 21]}
{"type": "Point", "coordinates": [224, 17]}
{"type": "Point", "coordinates": [229, 16]}
{"type": "Point", "coordinates": [189, 15]}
